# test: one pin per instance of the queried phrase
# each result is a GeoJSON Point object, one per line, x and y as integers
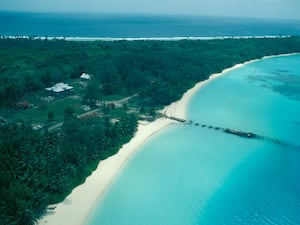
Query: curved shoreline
{"type": "Point", "coordinates": [77, 207]}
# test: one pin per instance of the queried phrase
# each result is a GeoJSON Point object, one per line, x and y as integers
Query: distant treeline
{"type": "Point", "coordinates": [40, 167]}
{"type": "Point", "coordinates": [159, 71]}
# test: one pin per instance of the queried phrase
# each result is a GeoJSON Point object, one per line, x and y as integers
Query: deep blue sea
{"type": "Point", "coordinates": [136, 26]}
{"type": "Point", "coordinates": [190, 175]}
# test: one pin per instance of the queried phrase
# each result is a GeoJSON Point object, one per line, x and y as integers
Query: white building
{"type": "Point", "coordinates": [59, 88]}
{"type": "Point", "coordinates": [85, 76]}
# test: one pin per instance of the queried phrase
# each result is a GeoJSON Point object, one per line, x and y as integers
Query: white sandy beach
{"type": "Point", "coordinates": [76, 208]}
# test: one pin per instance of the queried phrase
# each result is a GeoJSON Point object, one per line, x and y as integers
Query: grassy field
{"type": "Point", "coordinates": [39, 114]}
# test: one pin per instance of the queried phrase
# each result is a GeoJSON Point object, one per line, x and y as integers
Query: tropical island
{"type": "Point", "coordinates": [66, 105]}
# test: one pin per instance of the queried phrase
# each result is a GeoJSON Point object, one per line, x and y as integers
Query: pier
{"type": "Point", "coordinates": [176, 119]}
{"type": "Point", "coordinates": [238, 133]}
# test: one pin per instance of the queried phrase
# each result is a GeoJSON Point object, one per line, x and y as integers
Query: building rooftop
{"type": "Point", "coordinates": [59, 87]}
{"type": "Point", "coordinates": [85, 76]}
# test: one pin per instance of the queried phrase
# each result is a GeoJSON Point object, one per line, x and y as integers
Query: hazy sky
{"type": "Point", "coordinates": [247, 8]}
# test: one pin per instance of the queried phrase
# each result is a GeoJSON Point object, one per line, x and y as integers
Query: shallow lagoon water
{"type": "Point", "coordinates": [187, 174]}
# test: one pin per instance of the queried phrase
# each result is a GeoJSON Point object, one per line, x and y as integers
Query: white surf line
{"type": "Point", "coordinates": [180, 38]}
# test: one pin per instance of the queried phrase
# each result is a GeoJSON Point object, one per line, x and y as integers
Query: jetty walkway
{"type": "Point", "coordinates": [239, 133]}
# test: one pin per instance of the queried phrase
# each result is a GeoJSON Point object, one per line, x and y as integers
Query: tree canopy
{"type": "Point", "coordinates": [125, 67]}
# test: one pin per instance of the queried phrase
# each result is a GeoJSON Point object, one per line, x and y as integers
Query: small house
{"type": "Point", "coordinates": [85, 76]}
{"type": "Point", "coordinates": [85, 108]}
{"type": "Point", "coordinates": [23, 105]}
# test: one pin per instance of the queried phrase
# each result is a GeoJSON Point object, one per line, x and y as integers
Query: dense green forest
{"type": "Point", "coordinates": [125, 67]}
{"type": "Point", "coordinates": [40, 167]}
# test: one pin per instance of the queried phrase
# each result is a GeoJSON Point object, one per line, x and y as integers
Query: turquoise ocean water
{"type": "Point", "coordinates": [189, 175]}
